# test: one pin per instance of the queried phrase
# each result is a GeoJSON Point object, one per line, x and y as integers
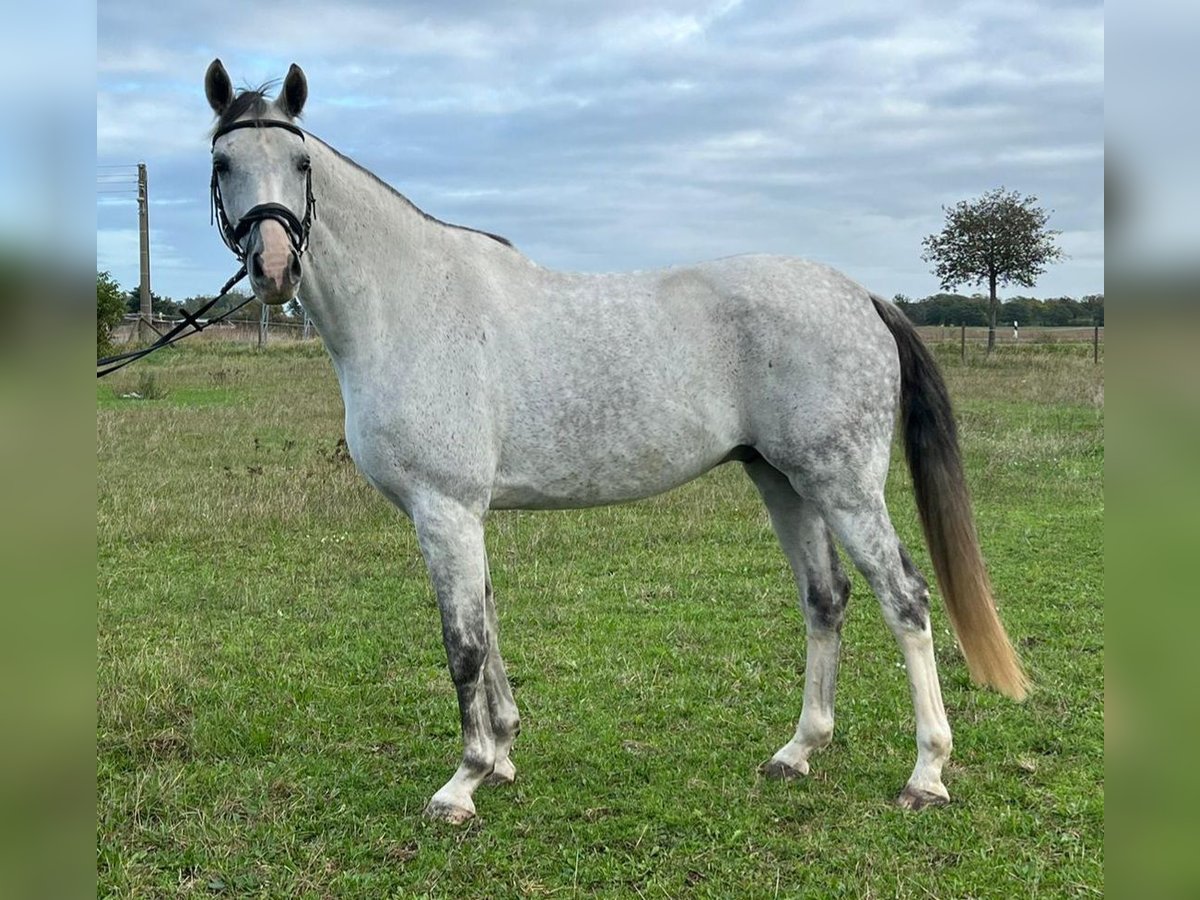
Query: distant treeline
{"type": "Point", "coordinates": [955, 309]}
{"type": "Point", "coordinates": [166, 306]}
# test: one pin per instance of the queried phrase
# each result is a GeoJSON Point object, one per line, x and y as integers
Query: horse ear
{"type": "Point", "coordinates": [294, 93]}
{"type": "Point", "coordinates": [217, 87]}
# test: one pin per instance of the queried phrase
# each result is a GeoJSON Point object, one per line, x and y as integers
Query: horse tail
{"type": "Point", "coordinates": [944, 505]}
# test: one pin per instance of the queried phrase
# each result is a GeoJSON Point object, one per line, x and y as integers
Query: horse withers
{"type": "Point", "coordinates": [474, 379]}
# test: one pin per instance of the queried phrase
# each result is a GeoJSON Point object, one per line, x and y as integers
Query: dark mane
{"type": "Point", "coordinates": [495, 237]}
{"type": "Point", "coordinates": [249, 101]}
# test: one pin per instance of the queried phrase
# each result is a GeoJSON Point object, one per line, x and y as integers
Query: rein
{"type": "Point", "coordinates": [296, 228]}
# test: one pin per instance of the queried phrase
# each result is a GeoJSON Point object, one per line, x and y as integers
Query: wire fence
{"type": "Point", "coordinates": [266, 330]}
{"type": "Point", "coordinates": [970, 339]}
{"type": "Point", "coordinates": [1024, 334]}
{"type": "Point", "coordinates": [260, 332]}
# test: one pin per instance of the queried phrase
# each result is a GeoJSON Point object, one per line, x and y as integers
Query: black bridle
{"type": "Point", "coordinates": [297, 230]}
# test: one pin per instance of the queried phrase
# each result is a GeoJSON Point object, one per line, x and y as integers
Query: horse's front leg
{"type": "Point", "coordinates": [451, 539]}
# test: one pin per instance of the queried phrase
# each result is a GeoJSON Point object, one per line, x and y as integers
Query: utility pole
{"type": "Point", "coordinates": [143, 195]}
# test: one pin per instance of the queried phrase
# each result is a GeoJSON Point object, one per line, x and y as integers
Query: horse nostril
{"type": "Point", "coordinates": [256, 268]}
{"type": "Point", "coordinates": [294, 268]}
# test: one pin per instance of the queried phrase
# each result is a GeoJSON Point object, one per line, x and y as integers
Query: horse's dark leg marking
{"type": "Point", "coordinates": [824, 590]}
{"type": "Point", "coordinates": [451, 540]}
{"type": "Point", "coordinates": [911, 601]}
{"type": "Point", "coordinates": [827, 589]}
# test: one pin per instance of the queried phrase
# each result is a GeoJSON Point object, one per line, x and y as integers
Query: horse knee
{"type": "Point", "coordinates": [507, 724]}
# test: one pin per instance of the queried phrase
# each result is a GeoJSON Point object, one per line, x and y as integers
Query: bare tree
{"type": "Point", "coordinates": [998, 239]}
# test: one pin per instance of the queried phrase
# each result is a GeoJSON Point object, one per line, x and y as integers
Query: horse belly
{"type": "Point", "coordinates": [623, 474]}
{"type": "Point", "coordinates": [597, 453]}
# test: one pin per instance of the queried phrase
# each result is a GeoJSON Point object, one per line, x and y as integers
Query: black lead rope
{"type": "Point", "coordinates": [110, 364]}
{"type": "Point", "coordinates": [296, 228]}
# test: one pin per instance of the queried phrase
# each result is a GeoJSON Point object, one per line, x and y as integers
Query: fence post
{"type": "Point", "coordinates": [262, 326]}
{"type": "Point", "coordinates": [307, 327]}
{"type": "Point", "coordinates": [1096, 343]}
{"type": "Point", "coordinates": [964, 343]}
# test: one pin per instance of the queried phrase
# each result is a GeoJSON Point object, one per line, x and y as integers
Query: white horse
{"type": "Point", "coordinates": [474, 379]}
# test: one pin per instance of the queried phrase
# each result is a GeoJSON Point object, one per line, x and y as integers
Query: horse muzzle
{"type": "Point", "coordinates": [274, 265]}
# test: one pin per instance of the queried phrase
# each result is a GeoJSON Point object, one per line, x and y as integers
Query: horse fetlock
{"type": "Point", "coordinates": [479, 763]}
{"type": "Point", "coordinates": [506, 726]}
{"type": "Point", "coordinates": [504, 772]}
{"type": "Point", "coordinates": [814, 733]}
{"type": "Point", "coordinates": [936, 745]}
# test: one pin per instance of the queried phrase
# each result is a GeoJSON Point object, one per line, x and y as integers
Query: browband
{"type": "Point", "coordinates": [257, 123]}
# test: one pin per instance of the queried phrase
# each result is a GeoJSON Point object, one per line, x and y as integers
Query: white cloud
{"type": "Point", "coordinates": [616, 135]}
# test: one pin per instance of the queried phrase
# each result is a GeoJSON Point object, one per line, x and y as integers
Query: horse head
{"type": "Point", "coordinates": [262, 180]}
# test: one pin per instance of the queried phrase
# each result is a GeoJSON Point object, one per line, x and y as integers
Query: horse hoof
{"type": "Point", "coordinates": [443, 811]}
{"type": "Point", "coordinates": [504, 773]}
{"type": "Point", "coordinates": [916, 798]}
{"type": "Point", "coordinates": [774, 768]}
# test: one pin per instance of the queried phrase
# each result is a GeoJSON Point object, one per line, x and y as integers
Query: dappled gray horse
{"type": "Point", "coordinates": [474, 379]}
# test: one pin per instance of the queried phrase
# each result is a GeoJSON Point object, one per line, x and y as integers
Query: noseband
{"type": "Point", "coordinates": [297, 229]}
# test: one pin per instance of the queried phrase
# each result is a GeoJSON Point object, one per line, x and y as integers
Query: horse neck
{"type": "Point", "coordinates": [371, 256]}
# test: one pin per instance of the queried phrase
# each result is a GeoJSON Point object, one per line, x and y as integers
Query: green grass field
{"type": "Point", "coordinates": [274, 708]}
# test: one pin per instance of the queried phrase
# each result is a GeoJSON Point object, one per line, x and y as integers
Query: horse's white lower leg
{"type": "Point", "coordinates": [824, 590]}
{"type": "Point", "coordinates": [815, 729]}
{"type": "Point", "coordinates": [451, 540]}
{"type": "Point", "coordinates": [933, 730]}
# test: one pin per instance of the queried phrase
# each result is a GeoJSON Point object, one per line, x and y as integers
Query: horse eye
{"type": "Point", "coordinates": [220, 165]}
{"type": "Point", "coordinates": [303, 164]}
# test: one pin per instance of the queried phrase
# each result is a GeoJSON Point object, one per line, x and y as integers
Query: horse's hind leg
{"type": "Point", "coordinates": [502, 709]}
{"type": "Point", "coordinates": [866, 532]}
{"type": "Point", "coordinates": [824, 590]}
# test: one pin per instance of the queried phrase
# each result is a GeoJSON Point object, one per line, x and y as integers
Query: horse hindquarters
{"type": "Point", "coordinates": [834, 450]}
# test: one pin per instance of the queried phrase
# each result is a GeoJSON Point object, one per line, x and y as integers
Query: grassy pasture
{"type": "Point", "coordinates": [274, 709]}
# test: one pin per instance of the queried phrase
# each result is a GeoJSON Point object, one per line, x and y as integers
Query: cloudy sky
{"type": "Point", "coordinates": [627, 135]}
